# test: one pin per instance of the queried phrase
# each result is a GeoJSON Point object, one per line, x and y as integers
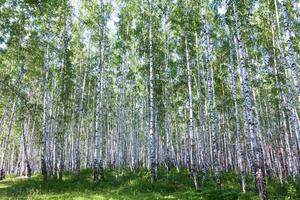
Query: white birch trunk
{"type": "Point", "coordinates": [77, 144]}
{"type": "Point", "coordinates": [248, 113]}
{"type": "Point", "coordinates": [152, 145]}
{"type": "Point", "coordinates": [6, 142]}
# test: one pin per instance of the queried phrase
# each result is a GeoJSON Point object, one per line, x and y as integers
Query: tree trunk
{"type": "Point", "coordinates": [45, 117]}
{"type": "Point", "coordinates": [237, 120]}
{"type": "Point", "coordinates": [202, 162]}
{"type": "Point", "coordinates": [77, 144]}
{"type": "Point", "coordinates": [153, 164]}
{"type": "Point", "coordinates": [98, 139]}
{"type": "Point", "coordinates": [6, 142]}
{"type": "Point", "coordinates": [24, 136]}
{"type": "Point", "coordinates": [248, 114]}
{"type": "Point", "coordinates": [193, 159]}
{"type": "Point", "coordinates": [212, 105]}
{"type": "Point", "coordinates": [291, 60]}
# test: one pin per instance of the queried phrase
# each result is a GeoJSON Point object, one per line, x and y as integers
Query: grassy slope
{"type": "Point", "coordinates": [137, 186]}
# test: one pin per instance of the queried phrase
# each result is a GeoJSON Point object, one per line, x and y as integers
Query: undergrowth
{"type": "Point", "coordinates": [136, 186]}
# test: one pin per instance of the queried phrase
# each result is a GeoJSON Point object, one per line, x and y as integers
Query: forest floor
{"type": "Point", "coordinates": [177, 185]}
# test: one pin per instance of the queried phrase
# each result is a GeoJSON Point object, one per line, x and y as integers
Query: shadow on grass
{"type": "Point", "coordinates": [132, 186]}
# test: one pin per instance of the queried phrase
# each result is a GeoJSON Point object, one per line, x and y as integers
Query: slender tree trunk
{"type": "Point", "coordinates": [202, 162]}
{"type": "Point", "coordinates": [291, 60]}
{"type": "Point", "coordinates": [237, 121]}
{"type": "Point", "coordinates": [248, 114]}
{"type": "Point", "coordinates": [45, 117]}
{"type": "Point", "coordinates": [288, 99]}
{"type": "Point", "coordinates": [87, 137]}
{"type": "Point", "coordinates": [6, 142]}
{"type": "Point", "coordinates": [166, 100]}
{"type": "Point", "coordinates": [178, 145]}
{"type": "Point", "coordinates": [152, 154]}
{"type": "Point", "coordinates": [64, 97]}
{"type": "Point", "coordinates": [193, 159]}
{"type": "Point", "coordinates": [77, 148]}
{"type": "Point", "coordinates": [24, 136]}
{"type": "Point", "coordinates": [98, 134]}
{"type": "Point", "coordinates": [212, 105]}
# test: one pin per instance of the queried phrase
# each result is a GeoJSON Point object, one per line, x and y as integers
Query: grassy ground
{"type": "Point", "coordinates": [137, 186]}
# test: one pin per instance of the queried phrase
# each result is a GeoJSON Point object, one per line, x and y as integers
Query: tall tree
{"type": "Point", "coordinates": [248, 113]}
{"type": "Point", "coordinates": [152, 143]}
{"type": "Point", "coordinates": [190, 108]}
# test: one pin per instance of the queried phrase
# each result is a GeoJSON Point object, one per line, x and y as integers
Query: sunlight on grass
{"type": "Point", "coordinates": [136, 187]}
{"type": "Point", "coordinates": [3, 186]}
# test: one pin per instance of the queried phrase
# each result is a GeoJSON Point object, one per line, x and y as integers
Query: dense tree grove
{"type": "Point", "coordinates": [207, 85]}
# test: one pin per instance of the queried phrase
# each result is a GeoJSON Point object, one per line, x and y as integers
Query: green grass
{"type": "Point", "coordinates": [137, 186]}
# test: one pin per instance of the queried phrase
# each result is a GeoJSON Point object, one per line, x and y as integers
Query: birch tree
{"type": "Point", "coordinates": [248, 113]}
{"type": "Point", "coordinates": [152, 143]}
